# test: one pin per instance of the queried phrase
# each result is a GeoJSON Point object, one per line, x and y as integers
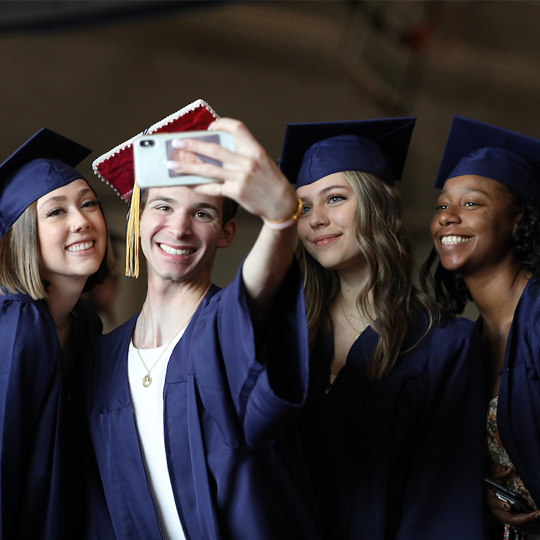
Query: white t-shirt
{"type": "Point", "coordinates": [148, 410]}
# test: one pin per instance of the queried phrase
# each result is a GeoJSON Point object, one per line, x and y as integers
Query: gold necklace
{"type": "Point", "coordinates": [147, 379]}
{"type": "Point", "coordinates": [58, 326]}
{"type": "Point", "coordinates": [357, 332]}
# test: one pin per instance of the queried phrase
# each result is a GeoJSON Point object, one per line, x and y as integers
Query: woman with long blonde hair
{"type": "Point", "coordinates": [389, 430]}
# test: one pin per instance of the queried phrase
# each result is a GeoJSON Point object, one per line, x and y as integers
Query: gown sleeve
{"type": "Point", "coordinates": [266, 372]}
{"type": "Point", "coordinates": [30, 446]}
{"type": "Point", "coordinates": [444, 493]}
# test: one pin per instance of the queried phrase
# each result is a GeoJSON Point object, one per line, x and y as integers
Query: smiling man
{"type": "Point", "coordinates": [189, 403]}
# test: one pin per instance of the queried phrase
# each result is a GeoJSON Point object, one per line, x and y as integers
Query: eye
{"type": "Point", "coordinates": [202, 215]}
{"type": "Point", "coordinates": [54, 212]}
{"type": "Point", "coordinates": [441, 207]}
{"type": "Point", "coordinates": [305, 209]}
{"type": "Point", "coordinates": [90, 203]}
{"type": "Point", "coordinates": [163, 208]}
{"type": "Point", "coordinates": [336, 198]}
{"type": "Point", "coordinates": [470, 203]}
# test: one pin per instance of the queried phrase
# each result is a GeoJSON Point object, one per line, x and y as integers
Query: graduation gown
{"type": "Point", "coordinates": [518, 413]}
{"type": "Point", "coordinates": [33, 438]}
{"type": "Point", "coordinates": [403, 457]}
{"type": "Point", "coordinates": [233, 456]}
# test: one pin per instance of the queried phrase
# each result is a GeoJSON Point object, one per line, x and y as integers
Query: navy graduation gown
{"type": "Point", "coordinates": [233, 457]}
{"type": "Point", "coordinates": [518, 413]}
{"type": "Point", "coordinates": [33, 439]}
{"type": "Point", "coordinates": [403, 457]}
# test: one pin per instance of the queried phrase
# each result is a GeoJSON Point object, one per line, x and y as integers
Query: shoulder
{"type": "Point", "coordinates": [21, 307]}
{"type": "Point", "coordinates": [529, 303]}
{"type": "Point", "coordinates": [113, 341]}
{"type": "Point", "coordinates": [89, 321]}
{"type": "Point", "coordinates": [442, 343]}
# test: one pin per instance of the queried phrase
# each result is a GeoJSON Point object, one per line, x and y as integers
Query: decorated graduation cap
{"type": "Point", "coordinates": [42, 164]}
{"type": "Point", "coordinates": [312, 151]}
{"type": "Point", "coordinates": [116, 168]}
{"type": "Point", "coordinates": [481, 149]}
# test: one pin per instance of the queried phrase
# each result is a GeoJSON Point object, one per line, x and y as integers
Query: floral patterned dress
{"type": "Point", "coordinates": [497, 455]}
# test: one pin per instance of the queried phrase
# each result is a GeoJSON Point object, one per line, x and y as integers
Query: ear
{"type": "Point", "coordinates": [227, 235]}
{"type": "Point", "coordinates": [517, 219]}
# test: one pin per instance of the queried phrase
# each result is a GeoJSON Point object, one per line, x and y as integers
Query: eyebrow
{"type": "Point", "coordinates": [196, 206]}
{"type": "Point", "coordinates": [445, 191]}
{"type": "Point", "coordinates": [63, 198]}
{"type": "Point", "coordinates": [326, 190]}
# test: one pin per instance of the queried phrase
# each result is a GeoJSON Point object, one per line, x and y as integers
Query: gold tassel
{"type": "Point", "coordinates": [132, 234]}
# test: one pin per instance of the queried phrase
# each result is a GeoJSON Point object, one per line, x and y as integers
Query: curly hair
{"type": "Point", "coordinates": [396, 302]}
{"type": "Point", "coordinates": [449, 288]}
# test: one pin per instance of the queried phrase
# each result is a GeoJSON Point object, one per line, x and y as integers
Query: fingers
{"type": "Point", "coordinates": [245, 142]}
{"type": "Point", "coordinates": [498, 472]}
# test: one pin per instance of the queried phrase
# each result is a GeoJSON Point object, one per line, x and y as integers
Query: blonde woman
{"type": "Point", "coordinates": [53, 244]}
{"type": "Point", "coordinates": [390, 427]}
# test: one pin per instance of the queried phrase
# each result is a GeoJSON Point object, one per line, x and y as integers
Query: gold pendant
{"type": "Point", "coordinates": [147, 381]}
{"type": "Point", "coordinates": [358, 334]}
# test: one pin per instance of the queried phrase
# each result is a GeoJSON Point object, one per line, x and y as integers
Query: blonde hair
{"type": "Point", "coordinates": [389, 299]}
{"type": "Point", "coordinates": [20, 258]}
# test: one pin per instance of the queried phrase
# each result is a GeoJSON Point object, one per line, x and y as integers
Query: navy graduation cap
{"type": "Point", "coordinates": [484, 150]}
{"type": "Point", "coordinates": [312, 151]}
{"type": "Point", "coordinates": [42, 164]}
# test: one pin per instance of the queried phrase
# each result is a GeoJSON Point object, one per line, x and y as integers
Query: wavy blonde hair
{"type": "Point", "coordinates": [389, 298]}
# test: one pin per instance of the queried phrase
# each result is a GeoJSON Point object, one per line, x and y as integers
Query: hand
{"type": "Point", "coordinates": [502, 510]}
{"type": "Point", "coordinates": [248, 175]}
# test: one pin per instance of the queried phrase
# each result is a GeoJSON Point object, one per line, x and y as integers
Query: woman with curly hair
{"type": "Point", "coordinates": [486, 232]}
{"type": "Point", "coordinates": [390, 428]}
{"type": "Point", "coordinates": [53, 245]}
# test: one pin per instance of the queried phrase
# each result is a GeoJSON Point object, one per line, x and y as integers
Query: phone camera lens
{"type": "Point", "coordinates": [147, 142]}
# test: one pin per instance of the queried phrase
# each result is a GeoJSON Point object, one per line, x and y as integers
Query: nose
{"type": "Point", "coordinates": [180, 225]}
{"type": "Point", "coordinates": [448, 216]}
{"type": "Point", "coordinates": [80, 223]}
{"type": "Point", "coordinates": [318, 219]}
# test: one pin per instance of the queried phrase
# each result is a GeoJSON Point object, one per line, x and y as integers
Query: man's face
{"type": "Point", "coordinates": [180, 231]}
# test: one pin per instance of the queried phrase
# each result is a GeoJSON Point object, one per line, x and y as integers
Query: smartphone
{"type": "Point", "coordinates": [519, 504]}
{"type": "Point", "coordinates": [151, 153]}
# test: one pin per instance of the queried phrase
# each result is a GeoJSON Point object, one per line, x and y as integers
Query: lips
{"type": "Point", "coordinates": [452, 240]}
{"type": "Point", "coordinates": [174, 251]}
{"type": "Point", "coordinates": [324, 239]}
{"type": "Point", "coordinates": [80, 246]}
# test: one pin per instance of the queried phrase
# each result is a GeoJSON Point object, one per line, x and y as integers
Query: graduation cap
{"type": "Point", "coordinates": [42, 164]}
{"type": "Point", "coordinates": [116, 168]}
{"type": "Point", "coordinates": [481, 149]}
{"type": "Point", "coordinates": [312, 151]}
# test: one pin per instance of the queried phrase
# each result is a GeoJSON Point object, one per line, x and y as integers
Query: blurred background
{"type": "Point", "coordinates": [101, 72]}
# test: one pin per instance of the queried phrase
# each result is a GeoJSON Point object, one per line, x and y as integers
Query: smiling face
{"type": "Point", "coordinates": [71, 232]}
{"type": "Point", "coordinates": [180, 231]}
{"type": "Point", "coordinates": [473, 224]}
{"type": "Point", "coordinates": [327, 225]}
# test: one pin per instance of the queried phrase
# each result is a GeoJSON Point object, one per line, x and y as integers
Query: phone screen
{"type": "Point", "coordinates": [178, 154]}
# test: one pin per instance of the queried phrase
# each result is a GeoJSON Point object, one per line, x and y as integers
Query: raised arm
{"type": "Point", "coordinates": [253, 180]}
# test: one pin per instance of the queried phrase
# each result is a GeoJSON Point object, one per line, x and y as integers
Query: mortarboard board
{"type": "Point", "coordinates": [481, 149]}
{"type": "Point", "coordinates": [115, 167]}
{"type": "Point", "coordinates": [314, 150]}
{"type": "Point", "coordinates": [42, 164]}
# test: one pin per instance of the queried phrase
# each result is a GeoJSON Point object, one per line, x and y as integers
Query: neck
{"type": "Point", "coordinates": [350, 287]}
{"type": "Point", "coordinates": [61, 299]}
{"type": "Point", "coordinates": [167, 308]}
{"type": "Point", "coordinates": [496, 292]}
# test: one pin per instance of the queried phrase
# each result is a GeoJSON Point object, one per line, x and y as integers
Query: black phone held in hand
{"type": "Point", "coordinates": [519, 504]}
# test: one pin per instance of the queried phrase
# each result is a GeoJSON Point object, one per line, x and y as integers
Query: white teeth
{"type": "Point", "coordinates": [172, 251]}
{"type": "Point", "coordinates": [80, 247]}
{"type": "Point", "coordinates": [449, 240]}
